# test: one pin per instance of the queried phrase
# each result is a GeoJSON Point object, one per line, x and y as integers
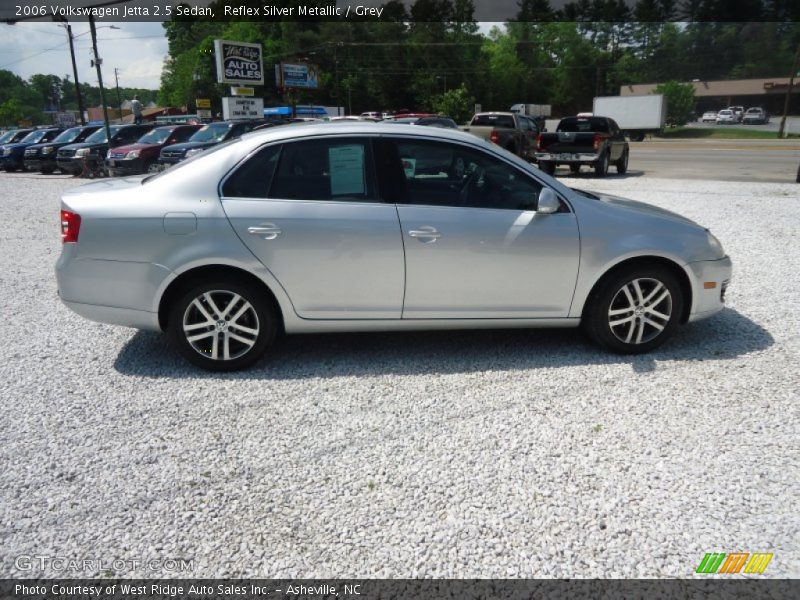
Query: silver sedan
{"type": "Point", "coordinates": [364, 227]}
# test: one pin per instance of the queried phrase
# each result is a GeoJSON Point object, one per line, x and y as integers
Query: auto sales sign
{"type": "Point", "coordinates": [239, 63]}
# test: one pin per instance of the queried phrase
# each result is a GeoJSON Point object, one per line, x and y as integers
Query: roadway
{"type": "Point", "coordinates": [723, 160]}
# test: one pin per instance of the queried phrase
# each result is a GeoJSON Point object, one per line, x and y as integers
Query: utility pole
{"type": "Point", "coordinates": [97, 61]}
{"type": "Point", "coordinates": [782, 130]}
{"type": "Point", "coordinates": [75, 72]}
{"type": "Point", "coordinates": [119, 102]}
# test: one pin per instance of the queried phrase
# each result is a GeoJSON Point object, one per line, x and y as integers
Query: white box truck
{"type": "Point", "coordinates": [635, 115]}
{"type": "Point", "coordinates": [532, 110]}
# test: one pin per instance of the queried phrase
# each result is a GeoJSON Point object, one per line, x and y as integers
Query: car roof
{"type": "Point", "coordinates": [361, 128]}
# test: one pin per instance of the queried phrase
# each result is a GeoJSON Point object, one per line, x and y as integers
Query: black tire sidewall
{"type": "Point", "coordinates": [266, 317]}
{"type": "Point", "coordinates": [602, 165]}
{"type": "Point", "coordinates": [595, 321]}
{"type": "Point", "coordinates": [622, 163]}
{"type": "Point", "coordinates": [547, 167]}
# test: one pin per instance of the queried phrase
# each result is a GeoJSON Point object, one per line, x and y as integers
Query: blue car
{"type": "Point", "coordinates": [205, 137]}
{"type": "Point", "coordinates": [12, 155]}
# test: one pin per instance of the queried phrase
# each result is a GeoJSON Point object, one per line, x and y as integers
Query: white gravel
{"type": "Point", "coordinates": [476, 454]}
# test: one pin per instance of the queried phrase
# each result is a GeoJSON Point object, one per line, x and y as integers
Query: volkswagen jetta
{"type": "Point", "coordinates": [359, 226]}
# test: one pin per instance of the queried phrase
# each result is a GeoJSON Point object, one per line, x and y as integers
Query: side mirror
{"type": "Point", "coordinates": [548, 202]}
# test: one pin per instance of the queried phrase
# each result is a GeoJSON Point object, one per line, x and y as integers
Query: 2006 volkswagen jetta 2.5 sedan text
{"type": "Point", "coordinates": [359, 226]}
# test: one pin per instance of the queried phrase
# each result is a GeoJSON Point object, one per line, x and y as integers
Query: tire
{"type": "Point", "coordinates": [206, 310]}
{"type": "Point", "coordinates": [46, 170]}
{"type": "Point", "coordinates": [574, 169]}
{"type": "Point", "coordinates": [601, 167]}
{"type": "Point", "coordinates": [633, 328]}
{"type": "Point", "coordinates": [637, 136]}
{"type": "Point", "coordinates": [547, 167]}
{"type": "Point", "coordinates": [622, 163]}
{"type": "Point", "coordinates": [10, 168]}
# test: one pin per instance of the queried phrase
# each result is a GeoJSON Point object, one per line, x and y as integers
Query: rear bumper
{"type": "Point", "coordinates": [708, 300]}
{"type": "Point", "coordinates": [567, 158]}
{"type": "Point", "coordinates": [111, 315]}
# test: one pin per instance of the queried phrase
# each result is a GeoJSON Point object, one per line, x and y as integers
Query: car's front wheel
{"type": "Point", "coordinates": [222, 326]}
{"type": "Point", "coordinates": [634, 310]}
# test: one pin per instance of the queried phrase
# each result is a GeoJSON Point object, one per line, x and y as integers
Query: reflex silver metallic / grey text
{"type": "Point", "coordinates": [360, 226]}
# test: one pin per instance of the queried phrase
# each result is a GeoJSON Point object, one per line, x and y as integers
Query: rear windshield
{"type": "Point", "coordinates": [581, 124]}
{"type": "Point", "coordinates": [493, 121]}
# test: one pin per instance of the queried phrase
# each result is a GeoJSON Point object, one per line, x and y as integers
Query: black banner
{"type": "Point", "coordinates": [617, 11]}
{"type": "Point", "coordinates": [406, 589]}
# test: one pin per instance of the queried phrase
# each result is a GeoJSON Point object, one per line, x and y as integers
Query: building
{"type": "Point", "coordinates": [769, 93]}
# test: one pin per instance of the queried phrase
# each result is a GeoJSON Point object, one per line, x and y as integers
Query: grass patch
{"type": "Point", "coordinates": [720, 133]}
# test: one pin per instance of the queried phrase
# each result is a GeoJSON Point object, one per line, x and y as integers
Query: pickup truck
{"type": "Point", "coordinates": [594, 141]}
{"type": "Point", "coordinates": [516, 133]}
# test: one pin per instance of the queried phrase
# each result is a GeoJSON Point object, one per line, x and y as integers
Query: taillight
{"type": "Point", "coordinates": [539, 142]}
{"type": "Point", "coordinates": [494, 137]}
{"type": "Point", "coordinates": [598, 139]}
{"type": "Point", "coordinates": [70, 226]}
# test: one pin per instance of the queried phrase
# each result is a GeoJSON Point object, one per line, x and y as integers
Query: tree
{"type": "Point", "coordinates": [457, 103]}
{"type": "Point", "coordinates": [12, 111]}
{"type": "Point", "coordinates": [680, 101]}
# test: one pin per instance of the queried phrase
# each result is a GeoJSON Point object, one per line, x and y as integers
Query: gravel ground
{"type": "Point", "coordinates": [475, 454]}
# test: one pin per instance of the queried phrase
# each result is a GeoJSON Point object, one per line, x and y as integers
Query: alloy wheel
{"type": "Point", "coordinates": [221, 325]}
{"type": "Point", "coordinates": [640, 310]}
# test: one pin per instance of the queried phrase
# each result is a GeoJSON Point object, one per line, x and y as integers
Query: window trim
{"type": "Point", "coordinates": [565, 203]}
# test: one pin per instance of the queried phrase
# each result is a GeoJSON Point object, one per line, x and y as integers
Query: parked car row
{"type": "Point", "coordinates": [736, 114]}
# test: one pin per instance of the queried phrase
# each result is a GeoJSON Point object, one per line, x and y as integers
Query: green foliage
{"type": "Point", "coordinates": [680, 101]}
{"type": "Point", "coordinates": [457, 103]}
{"type": "Point", "coordinates": [12, 111]}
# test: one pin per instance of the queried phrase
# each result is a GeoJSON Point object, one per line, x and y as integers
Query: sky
{"type": "Point", "coordinates": [136, 49]}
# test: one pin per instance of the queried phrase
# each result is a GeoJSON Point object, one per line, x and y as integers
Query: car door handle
{"type": "Point", "coordinates": [425, 234]}
{"type": "Point", "coordinates": [268, 231]}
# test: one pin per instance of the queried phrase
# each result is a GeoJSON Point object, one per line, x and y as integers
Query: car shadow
{"type": "Point", "coordinates": [728, 335]}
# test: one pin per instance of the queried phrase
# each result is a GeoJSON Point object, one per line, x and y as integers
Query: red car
{"type": "Point", "coordinates": [137, 158]}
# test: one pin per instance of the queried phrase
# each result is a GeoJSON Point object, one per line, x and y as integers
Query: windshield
{"type": "Point", "coordinates": [211, 133]}
{"type": "Point", "coordinates": [68, 135]}
{"type": "Point", "coordinates": [6, 137]}
{"type": "Point", "coordinates": [99, 136]}
{"type": "Point", "coordinates": [156, 136]}
{"type": "Point", "coordinates": [583, 124]}
{"type": "Point", "coordinates": [33, 137]}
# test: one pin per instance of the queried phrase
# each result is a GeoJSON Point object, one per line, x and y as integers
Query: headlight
{"type": "Point", "coordinates": [82, 152]}
{"type": "Point", "coordinates": [715, 244]}
{"type": "Point", "coordinates": [193, 151]}
{"type": "Point", "coordinates": [47, 150]}
{"type": "Point", "coordinates": [6, 151]}
{"type": "Point", "coordinates": [132, 154]}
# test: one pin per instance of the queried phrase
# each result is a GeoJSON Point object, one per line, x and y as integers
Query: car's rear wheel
{"type": "Point", "coordinates": [622, 163]}
{"type": "Point", "coordinates": [634, 310]}
{"type": "Point", "coordinates": [46, 170]}
{"type": "Point", "coordinates": [547, 167]}
{"type": "Point", "coordinates": [222, 326]}
{"type": "Point", "coordinates": [601, 167]}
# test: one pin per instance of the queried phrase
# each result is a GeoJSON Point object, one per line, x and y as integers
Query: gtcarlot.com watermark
{"type": "Point", "coordinates": [62, 564]}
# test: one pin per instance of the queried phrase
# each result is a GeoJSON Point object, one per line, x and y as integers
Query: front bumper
{"type": "Point", "coordinates": [709, 285]}
{"type": "Point", "coordinates": [170, 160]}
{"type": "Point", "coordinates": [38, 163]}
{"type": "Point", "coordinates": [70, 164]}
{"type": "Point", "coordinates": [118, 167]}
{"type": "Point", "coordinates": [567, 158]}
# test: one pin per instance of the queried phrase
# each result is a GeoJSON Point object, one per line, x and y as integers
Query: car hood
{"type": "Point", "coordinates": [86, 145]}
{"type": "Point", "coordinates": [132, 147]}
{"type": "Point", "coordinates": [190, 145]}
{"type": "Point", "coordinates": [644, 208]}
